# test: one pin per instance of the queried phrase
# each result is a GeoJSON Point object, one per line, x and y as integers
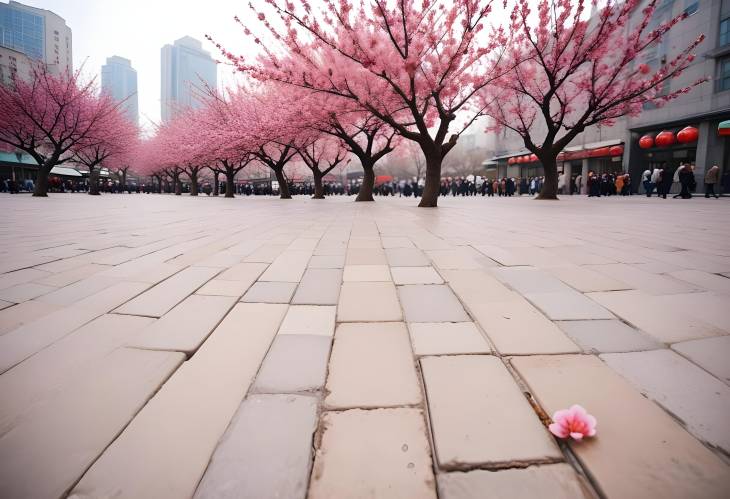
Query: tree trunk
{"type": "Point", "coordinates": [178, 185]}
{"type": "Point", "coordinates": [41, 185]}
{"type": "Point", "coordinates": [283, 185]}
{"type": "Point", "coordinates": [318, 187]}
{"type": "Point", "coordinates": [430, 196]}
{"type": "Point", "coordinates": [194, 183]}
{"type": "Point", "coordinates": [124, 181]}
{"type": "Point", "coordinates": [549, 188]}
{"type": "Point", "coordinates": [368, 183]}
{"type": "Point", "coordinates": [93, 182]}
{"type": "Point", "coordinates": [230, 176]}
{"type": "Point", "coordinates": [216, 184]}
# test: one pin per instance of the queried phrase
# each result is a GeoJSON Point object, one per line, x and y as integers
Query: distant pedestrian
{"type": "Point", "coordinates": [711, 178]}
{"type": "Point", "coordinates": [687, 181]}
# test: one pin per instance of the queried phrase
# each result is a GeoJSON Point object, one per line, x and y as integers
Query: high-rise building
{"type": "Point", "coordinates": [38, 33]}
{"type": "Point", "coordinates": [119, 79]}
{"type": "Point", "coordinates": [186, 70]}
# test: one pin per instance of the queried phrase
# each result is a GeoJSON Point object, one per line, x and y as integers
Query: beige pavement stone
{"type": "Point", "coordinates": [415, 275]}
{"type": "Point", "coordinates": [185, 327]}
{"type": "Point", "coordinates": [366, 273]}
{"type": "Point", "coordinates": [288, 267]}
{"type": "Point", "coordinates": [643, 280]}
{"type": "Point", "coordinates": [267, 253]}
{"type": "Point", "coordinates": [71, 276]}
{"type": "Point", "coordinates": [396, 242]}
{"type": "Point", "coordinates": [666, 324]}
{"type": "Point", "coordinates": [222, 287]}
{"type": "Point", "coordinates": [158, 300]}
{"type": "Point", "coordinates": [710, 354]}
{"type": "Point", "coordinates": [368, 302]}
{"type": "Point", "coordinates": [178, 430]}
{"type": "Point", "coordinates": [72, 293]}
{"type": "Point", "coordinates": [52, 446]}
{"type": "Point", "coordinates": [244, 272]}
{"type": "Point", "coordinates": [319, 287]}
{"type": "Point", "coordinates": [266, 452]}
{"type": "Point", "coordinates": [22, 276]}
{"type": "Point", "coordinates": [554, 481]}
{"type": "Point", "coordinates": [527, 280]}
{"type": "Point", "coordinates": [694, 396]}
{"type": "Point", "coordinates": [309, 319]}
{"type": "Point", "coordinates": [454, 259]}
{"type": "Point", "coordinates": [447, 338]}
{"type": "Point", "coordinates": [707, 307]}
{"type": "Point", "coordinates": [406, 257]}
{"type": "Point", "coordinates": [586, 280]}
{"type": "Point", "coordinates": [568, 305]}
{"type": "Point", "coordinates": [639, 451]}
{"type": "Point", "coordinates": [704, 280]}
{"type": "Point", "coordinates": [295, 363]}
{"type": "Point", "coordinates": [365, 256]}
{"type": "Point", "coordinates": [24, 292]}
{"type": "Point", "coordinates": [479, 415]}
{"type": "Point", "coordinates": [31, 337]}
{"type": "Point", "coordinates": [431, 303]}
{"type": "Point", "coordinates": [372, 366]}
{"type": "Point", "coordinates": [22, 313]}
{"type": "Point", "coordinates": [5, 304]}
{"type": "Point", "coordinates": [392, 462]}
{"type": "Point", "coordinates": [270, 292]}
{"type": "Point", "coordinates": [327, 262]}
{"type": "Point", "coordinates": [608, 336]}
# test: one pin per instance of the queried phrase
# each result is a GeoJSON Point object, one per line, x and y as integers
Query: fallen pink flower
{"type": "Point", "coordinates": [574, 422]}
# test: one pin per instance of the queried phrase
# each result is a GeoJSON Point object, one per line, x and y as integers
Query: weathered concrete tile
{"type": "Point", "coordinates": [372, 366]}
{"type": "Point", "coordinates": [23, 292]}
{"type": "Point", "coordinates": [368, 302]}
{"type": "Point", "coordinates": [68, 295]}
{"type": "Point", "coordinates": [416, 275]}
{"type": "Point", "coordinates": [244, 272]}
{"type": "Point", "coordinates": [406, 257]}
{"type": "Point", "coordinates": [266, 452]}
{"type": "Point", "coordinates": [453, 259]}
{"type": "Point", "coordinates": [185, 327]}
{"type": "Point", "coordinates": [308, 319]}
{"type": "Point", "coordinates": [319, 287]}
{"type": "Point", "coordinates": [704, 280]}
{"type": "Point", "coordinates": [365, 256]}
{"type": "Point", "coordinates": [10, 279]}
{"type": "Point", "coordinates": [327, 261]}
{"type": "Point", "coordinates": [48, 450]}
{"type": "Point", "coordinates": [178, 430]}
{"type": "Point", "coordinates": [607, 336]}
{"type": "Point", "coordinates": [431, 303]}
{"type": "Point", "coordinates": [267, 253]}
{"type": "Point", "coordinates": [366, 273]}
{"type": "Point", "coordinates": [710, 354]}
{"type": "Point", "coordinates": [487, 420]}
{"type": "Point", "coordinates": [22, 313]}
{"type": "Point", "coordinates": [447, 338]}
{"type": "Point", "coordinates": [666, 324]}
{"type": "Point", "coordinates": [158, 300]}
{"type": "Point", "coordinates": [586, 280]}
{"type": "Point", "coordinates": [556, 481]}
{"type": "Point", "coordinates": [700, 400]}
{"type": "Point", "coordinates": [707, 307]}
{"type": "Point", "coordinates": [396, 242]}
{"type": "Point", "coordinates": [568, 305]}
{"type": "Point", "coordinates": [392, 461]}
{"type": "Point", "coordinates": [222, 287]}
{"type": "Point", "coordinates": [365, 242]}
{"type": "Point", "coordinates": [295, 363]}
{"type": "Point", "coordinates": [529, 280]}
{"type": "Point", "coordinates": [72, 275]}
{"type": "Point", "coordinates": [643, 280]}
{"type": "Point", "coordinates": [639, 451]}
{"type": "Point", "coordinates": [288, 267]}
{"type": "Point", "coordinates": [270, 292]}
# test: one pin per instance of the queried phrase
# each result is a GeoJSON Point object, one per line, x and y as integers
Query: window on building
{"type": "Point", "coordinates": [692, 6]}
{"type": "Point", "coordinates": [725, 32]}
{"type": "Point", "coordinates": [724, 74]}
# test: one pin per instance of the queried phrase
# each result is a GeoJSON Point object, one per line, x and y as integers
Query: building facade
{"type": "Point", "coordinates": [13, 63]}
{"type": "Point", "coordinates": [39, 34]}
{"type": "Point", "coordinates": [616, 148]}
{"type": "Point", "coordinates": [119, 79]}
{"type": "Point", "coordinates": [186, 70]}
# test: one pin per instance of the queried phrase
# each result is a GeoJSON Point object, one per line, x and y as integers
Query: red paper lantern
{"type": "Point", "coordinates": [533, 158]}
{"type": "Point", "coordinates": [511, 161]}
{"type": "Point", "coordinates": [600, 152]}
{"type": "Point", "coordinates": [688, 135]}
{"type": "Point", "coordinates": [526, 158]}
{"type": "Point", "coordinates": [616, 151]}
{"type": "Point", "coordinates": [665, 139]}
{"type": "Point", "coordinates": [646, 142]}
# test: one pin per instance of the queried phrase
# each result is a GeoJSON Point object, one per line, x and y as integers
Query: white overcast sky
{"type": "Point", "coordinates": [137, 30]}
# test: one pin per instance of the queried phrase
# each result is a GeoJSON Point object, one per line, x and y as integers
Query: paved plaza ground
{"type": "Point", "coordinates": [154, 346]}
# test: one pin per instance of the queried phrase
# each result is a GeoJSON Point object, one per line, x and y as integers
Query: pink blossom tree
{"type": "Point", "coordinates": [412, 66]}
{"type": "Point", "coordinates": [570, 73]}
{"type": "Point", "coordinates": [47, 116]}
{"type": "Point", "coordinates": [321, 155]}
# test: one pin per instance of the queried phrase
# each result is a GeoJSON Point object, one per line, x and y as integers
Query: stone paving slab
{"type": "Point", "coordinates": [704, 280]}
{"type": "Point", "coordinates": [372, 366]}
{"type": "Point", "coordinates": [295, 363]}
{"type": "Point", "coordinates": [366, 273]}
{"type": "Point", "coordinates": [68, 295]}
{"type": "Point", "coordinates": [406, 257]}
{"type": "Point", "coordinates": [554, 481]}
{"type": "Point", "coordinates": [694, 396]}
{"type": "Point", "coordinates": [266, 452]}
{"type": "Point", "coordinates": [586, 280]}
{"type": "Point", "coordinates": [643, 280]}
{"type": "Point", "coordinates": [5, 304]}
{"type": "Point", "coordinates": [289, 266]}
{"type": "Point", "coordinates": [365, 256]}
{"type": "Point", "coordinates": [447, 338]}
{"type": "Point", "coordinates": [307, 319]}
{"type": "Point", "coordinates": [62, 436]}
{"type": "Point", "coordinates": [606, 336]}
{"type": "Point", "coordinates": [24, 292]}
{"type": "Point", "coordinates": [319, 287]}
{"type": "Point", "coordinates": [222, 287]}
{"type": "Point", "coordinates": [246, 272]}
{"type": "Point", "coordinates": [157, 301]}
{"type": "Point", "coordinates": [16, 315]}
{"type": "Point", "coordinates": [178, 430]}
{"type": "Point", "coordinates": [22, 276]}
{"type": "Point", "coordinates": [568, 306]}
{"type": "Point", "coordinates": [710, 354]}
{"type": "Point", "coordinates": [416, 275]}
{"type": "Point", "coordinates": [270, 292]}
{"type": "Point", "coordinates": [486, 421]}
{"type": "Point", "coordinates": [185, 327]}
{"type": "Point", "coordinates": [72, 275]}
{"type": "Point", "coordinates": [639, 451]}
{"type": "Point", "coordinates": [368, 301]}
{"type": "Point", "coordinates": [393, 460]}
{"type": "Point", "coordinates": [327, 262]}
{"type": "Point", "coordinates": [431, 303]}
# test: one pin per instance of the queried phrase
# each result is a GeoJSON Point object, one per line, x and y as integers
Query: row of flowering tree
{"type": "Point", "coordinates": [58, 118]}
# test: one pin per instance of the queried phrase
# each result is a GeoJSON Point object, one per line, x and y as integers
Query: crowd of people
{"type": "Point", "coordinates": [661, 180]}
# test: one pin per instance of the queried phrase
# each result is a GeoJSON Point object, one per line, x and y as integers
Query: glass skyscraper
{"type": "Point", "coordinates": [186, 70]}
{"type": "Point", "coordinates": [119, 79]}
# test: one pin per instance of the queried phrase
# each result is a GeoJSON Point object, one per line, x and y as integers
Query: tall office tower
{"type": "Point", "coordinates": [39, 34]}
{"type": "Point", "coordinates": [119, 79]}
{"type": "Point", "coordinates": [186, 70]}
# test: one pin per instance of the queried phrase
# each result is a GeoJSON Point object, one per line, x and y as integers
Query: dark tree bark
{"type": "Point", "coordinates": [193, 174]}
{"type": "Point", "coordinates": [283, 183]}
{"type": "Point", "coordinates": [549, 188]}
{"type": "Point", "coordinates": [93, 181]}
{"type": "Point", "coordinates": [230, 176]}
{"type": "Point", "coordinates": [177, 183]}
{"type": "Point", "coordinates": [216, 183]}
{"type": "Point", "coordinates": [368, 184]}
{"type": "Point", "coordinates": [430, 196]}
{"type": "Point", "coordinates": [318, 187]}
{"type": "Point", "coordinates": [41, 185]}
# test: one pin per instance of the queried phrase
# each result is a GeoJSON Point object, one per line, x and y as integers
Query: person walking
{"type": "Point", "coordinates": [711, 178]}
{"type": "Point", "coordinates": [619, 182]}
{"type": "Point", "coordinates": [578, 184]}
{"type": "Point", "coordinates": [687, 181]}
{"type": "Point", "coordinates": [656, 179]}
{"type": "Point", "coordinates": [647, 182]}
